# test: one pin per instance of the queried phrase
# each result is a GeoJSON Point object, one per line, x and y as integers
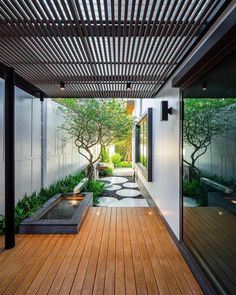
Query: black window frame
{"type": "Point", "coordinates": [146, 171]}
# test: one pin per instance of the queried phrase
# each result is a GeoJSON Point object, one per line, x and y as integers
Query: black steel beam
{"type": "Point", "coordinates": [10, 158]}
{"type": "Point", "coordinates": [216, 48]}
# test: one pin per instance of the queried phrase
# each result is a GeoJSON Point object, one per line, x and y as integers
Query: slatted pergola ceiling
{"type": "Point", "coordinates": [96, 46]}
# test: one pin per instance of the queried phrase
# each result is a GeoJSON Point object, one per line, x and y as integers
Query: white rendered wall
{"type": "Point", "coordinates": [27, 144]}
{"type": "Point", "coordinates": [164, 189]}
{"type": "Point", "coordinates": [62, 157]}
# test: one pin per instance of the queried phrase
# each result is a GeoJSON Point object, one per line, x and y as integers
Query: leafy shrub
{"type": "Point", "coordinates": [105, 158]}
{"type": "Point", "coordinates": [190, 188]}
{"type": "Point", "coordinates": [116, 159]}
{"type": "Point", "coordinates": [2, 224]}
{"type": "Point", "coordinates": [125, 164]}
{"type": "Point", "coordinates": [97, 188]}
{"type": "Point", "coordinates": [106, 172]}
{"type": "Point", "coordinates": [195, 190]}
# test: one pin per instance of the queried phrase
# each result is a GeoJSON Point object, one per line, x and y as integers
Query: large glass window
{"type": "Point", "coordinates": [209, 187]}
{"type": "Point", "coordinates": [143, 144]}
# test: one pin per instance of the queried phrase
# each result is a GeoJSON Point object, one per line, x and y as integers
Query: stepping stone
{"type": "Point", "coordinates": [114, 187]}
{"type": "Point", "coordinates": [107, 202]}
{"type": "Point", "coordinates": [115, 179]}
{"type": "Point", "coordinates": [106, 182]}
{"type": "Point", "coordinates": [129, 202]}
{"type": "Point", "coordinates": [130, 185]}
{"type": "Point", "coordinates": [128, 193]}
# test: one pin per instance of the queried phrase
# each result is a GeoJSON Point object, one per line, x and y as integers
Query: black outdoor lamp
{"type": "Point", "coordinates": [62, 85]}
{"type": "Point", "coordinates": [165, 110]}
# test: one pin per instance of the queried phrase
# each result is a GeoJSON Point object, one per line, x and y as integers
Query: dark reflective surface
{"type": "Point", "coordinates": [63, 210]}
{"type": "Point", "coordinates": [209, 186]}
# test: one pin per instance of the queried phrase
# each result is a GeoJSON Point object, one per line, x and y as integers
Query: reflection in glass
{"type": "Point", "coordinates": [209, 185]}
{"type": "Point", "coordinates": [143, 141]}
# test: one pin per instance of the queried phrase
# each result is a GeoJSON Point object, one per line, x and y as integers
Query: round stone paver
{"type": "Point", "coordinates": [107, 202]}
{"type": "Point", "coordinates": [128, 193]}
{"type": "Point", "coordinates": [115, 180]}
{"type": "Point", "coordinates": [130, 185]}
{"type": "Point", "coordinates": [114, 187]}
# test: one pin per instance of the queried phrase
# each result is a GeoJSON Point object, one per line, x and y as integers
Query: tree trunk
{"type": "Point", "coordinates": [90, 171]}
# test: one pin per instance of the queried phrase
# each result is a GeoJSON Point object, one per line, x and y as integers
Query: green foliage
{"type": "Point", "coordinates": [124, 164]}
{"type": "Point", "coordinates": [205, 119]}
{"type": "Point", "coordinates": [190, 188]}
{"type": "Point", "coordinates": [95, 122]}
{"type": "Point", "coordinates": [2, 224]}
{"type": "Point", "coordinates": [97, 187]}
{"type": "Point", "coordinates": [195, 190]}
{"type": "Point", "coordinates": [104, 155]}
{"type": "Point", "coordinates": [116, 159]}
{"type": "Point", "coordinates": [106, 172]}
{"type": "Point", "coordinates": [29, 204]}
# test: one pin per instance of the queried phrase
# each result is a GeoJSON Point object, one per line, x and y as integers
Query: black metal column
{"type": "Point", "coordinates": [10, 158]}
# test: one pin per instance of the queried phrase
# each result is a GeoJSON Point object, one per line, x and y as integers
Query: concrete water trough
{"type": "Point", "coordinates": [61, 214]}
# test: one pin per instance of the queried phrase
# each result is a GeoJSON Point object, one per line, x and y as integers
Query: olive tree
{"type": "Point", "coordinates": [94, 122]}
{"type": "Point", "coordinates": [205, 119]}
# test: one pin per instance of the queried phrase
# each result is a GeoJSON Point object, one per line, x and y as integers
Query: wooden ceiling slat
{"type": "Point", "coordinates": [96, 46]}
{"type": "Point", "coordinates": [136, 33]}
{"type": "Point", "coordinates": [129, 43]}
{"type": "Point", "coordinates": [174, 55]}
{"type": "Point", "coordinates": [112, 93]}
{"type": "Point", "coordinates": [142, 55]}
{"type": "Point", "coordinates": [158, 31]}
{"type": "Point", "coordinates": [170, 29]}
{"type": "Point", "coordinates": [173, 41]}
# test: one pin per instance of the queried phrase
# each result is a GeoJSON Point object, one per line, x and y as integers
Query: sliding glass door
{"type": "Point", "coordinates": [209, 179]}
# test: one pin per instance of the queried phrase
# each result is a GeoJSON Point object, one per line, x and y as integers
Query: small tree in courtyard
{"type": "Point", "coordinates": [205, 119]}
{"type": "Point", "coordinates": [94, 122]}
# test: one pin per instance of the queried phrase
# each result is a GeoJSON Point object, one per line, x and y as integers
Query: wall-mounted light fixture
{"type": "Point", "coordinates": [204, 86]}
{"type": "Point", "coordinates": [62, 85]}
{"type": "Point", "coordinates": [41, 97]}
{"type": "Point", "coordinates": [165, 111]}
{"type": "Point", "coordinates": [128, 87]}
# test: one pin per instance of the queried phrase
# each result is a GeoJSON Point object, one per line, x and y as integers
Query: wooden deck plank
{"type": "Point", "coordinates": [120, 264]}
{"type": "Point", "coordinates": [88, 251]}
{"type": "Point", "coordinates": [130, 283]}
{"type": "Point", "coordinates": [29, 276]}
{"type": "Point", "coordinates": [93, 257]}
{"type": "Point", "coordinates": [164, 263]}
{"type": "Point", "coordinates": [137, 259]}
{"type": "Point", "coordinates": [69, 264]}
{"type": "Point", "coordinates": [99, 281]}
{"type": "Point", "coordinates": [148, 270]}
{"type": "Point", "coordinates": [109, 287]}
{"type": "Point", "coordinates": [118, 251]}
{"type": "Point", "coordinates": [211, 236]}
{"type": "Point", "coordinates": [73, 268]}
{"type": "Point", "coordinates": [160, 279]}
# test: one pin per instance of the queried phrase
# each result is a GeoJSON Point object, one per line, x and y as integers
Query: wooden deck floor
{"type": "Point", "coordinates": [118, 251]}
{"type": "Point", "coordinates": [210, 232]}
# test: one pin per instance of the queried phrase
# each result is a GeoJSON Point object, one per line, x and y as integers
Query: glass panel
{"type": "Point", "coordinates": [209, 185]}
{"type": "Point", "coordinates": [143, 142]}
